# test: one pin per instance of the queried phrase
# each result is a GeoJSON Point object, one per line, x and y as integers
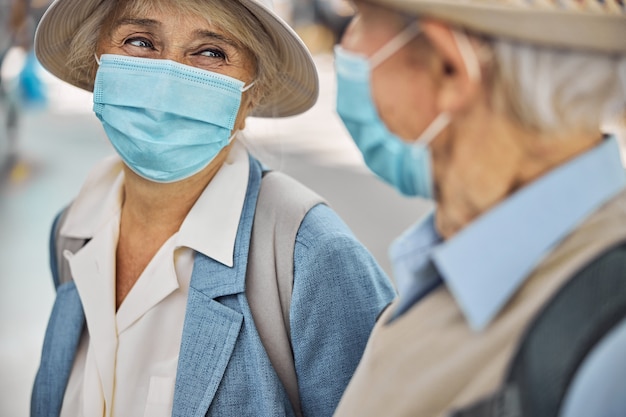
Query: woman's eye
{"type": "Point", "coordinates": [139, 42]}
{"type": "Point", "coordinates": [213, 53]}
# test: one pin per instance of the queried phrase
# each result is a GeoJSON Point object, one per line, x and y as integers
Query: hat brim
{"type": "Point", "coordinates": [298, 87]}
{"type": "Point", "coordinates": [601, 32]}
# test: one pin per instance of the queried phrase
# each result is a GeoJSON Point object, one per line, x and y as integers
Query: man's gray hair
{"type": "Point", "coordinates": [552, 90]}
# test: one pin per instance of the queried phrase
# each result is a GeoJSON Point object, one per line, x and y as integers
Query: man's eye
{"type": "Point", "coordinates": [139, 42]}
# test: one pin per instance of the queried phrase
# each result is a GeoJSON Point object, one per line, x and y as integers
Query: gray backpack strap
{"type": "Point", "coordinates": [563, 333]}
{"type": "Point", "coordinates": [280, 209]}
{"type": "Point", "coordinates": [58, 244]}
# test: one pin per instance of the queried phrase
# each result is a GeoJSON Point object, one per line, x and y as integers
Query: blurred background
{"type": "Point", "coordinates": [50, 138]}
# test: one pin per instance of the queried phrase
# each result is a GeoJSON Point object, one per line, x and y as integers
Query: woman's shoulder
{"type": "Point", "coordinates": [289, 200]}
{"type": "Point", "coordinates": [325, 241]}
{"type": "Point", "coordinates": [322, 222]}
{"type": "Point", "coordinates": [321, 232]}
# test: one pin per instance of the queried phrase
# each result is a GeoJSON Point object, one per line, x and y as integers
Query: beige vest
{"type": "Point", "coordinates": [429, 362]}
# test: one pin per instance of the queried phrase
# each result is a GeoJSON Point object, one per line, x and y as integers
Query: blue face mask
{"type": "Point", "coordinates": [406, 166]}
{"type": "Point", "coordinates": [166, 120]}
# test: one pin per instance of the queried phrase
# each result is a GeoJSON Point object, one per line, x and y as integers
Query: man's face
{"type": "Point", "coordinates": [402, 89]}
{"type": "Point", "coordinates": [474, 166]}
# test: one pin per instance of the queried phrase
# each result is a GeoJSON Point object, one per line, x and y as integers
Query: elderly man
{"type": "Point", "coordinates": [493, 110]}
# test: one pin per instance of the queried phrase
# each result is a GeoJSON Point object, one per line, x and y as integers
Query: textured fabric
{"type": "Point", "coordinates": [223, 369]}
{"type": "Point", "coordinates": [354, 295]}
{"type": "Point", "coordinates": [61, 341]}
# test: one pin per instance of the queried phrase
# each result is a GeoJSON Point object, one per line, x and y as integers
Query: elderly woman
{"type": "Point", "coordinates": [493, 109]}
{"type": "Point", "coordinates": [154, 318]}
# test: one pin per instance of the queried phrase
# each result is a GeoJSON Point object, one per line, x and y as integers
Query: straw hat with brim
{"type": "Point", "coordinates": [569, 24]}
{"type": "Point", "coordinates": [298, 87]}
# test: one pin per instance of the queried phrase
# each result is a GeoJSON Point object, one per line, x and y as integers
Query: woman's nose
{"type": "Point", "coordinates": [175, 53]}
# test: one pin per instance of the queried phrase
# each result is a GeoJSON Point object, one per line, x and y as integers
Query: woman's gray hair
{"type": "Point", "coordinates": [230, 16]}
{"type": "Point", "coordinates": [551, 90]}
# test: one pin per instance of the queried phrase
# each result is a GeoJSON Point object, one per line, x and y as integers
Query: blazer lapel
{"type": "Point", "coordinates": [211, 329]}
{"type": "Point", "coordinates": [209, 337]}
{"type": "Point", "coordinates": [61, 341]}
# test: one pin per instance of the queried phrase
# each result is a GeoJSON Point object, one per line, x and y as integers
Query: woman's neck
{"type": "Point", "coordinates": [161, 208]}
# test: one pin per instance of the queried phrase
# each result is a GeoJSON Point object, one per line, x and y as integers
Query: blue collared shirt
{"type": "Point", "coordinates": [486, 262]}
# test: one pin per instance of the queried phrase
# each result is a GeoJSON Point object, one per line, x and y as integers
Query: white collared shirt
{"type": "Point", "coordinates": [126, 361]}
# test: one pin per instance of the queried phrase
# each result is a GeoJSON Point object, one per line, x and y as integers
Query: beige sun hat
{"type": "Point", "coordinates": [597, 25]}
{"type": "Point", "coordinates": [299, 82]}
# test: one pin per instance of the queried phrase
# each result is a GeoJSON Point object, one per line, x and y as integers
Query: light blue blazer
{"type": "Point", "coordinates": [223, 370]}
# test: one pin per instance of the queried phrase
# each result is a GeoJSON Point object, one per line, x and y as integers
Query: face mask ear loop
{"type": "Point", "coordinates": [243, 90]}
{"type": "Point", "coordinates": [233, 136]}
{"type": "Point", "coordinates": [621, 73]}
{"type": "Point", "coordinates": [470, 59]}
{"type": "Point", "coordinates": [394, 45]}
{"type": "Point", "coordinates": [247, 87]}
{"type": "Point", "coordinates": [97, 60]}
{"type": "Point", "coordinates": [435, 127]}
{"type": "Point", "coordinates": [468, 54]}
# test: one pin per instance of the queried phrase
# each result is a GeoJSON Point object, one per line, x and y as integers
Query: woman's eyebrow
{"type": "Point", "coordinates": [151, 23]}
{"type": "Point", "coordinates": [136, 22]}
{"type": "Point", "coordinates": [216, 36]}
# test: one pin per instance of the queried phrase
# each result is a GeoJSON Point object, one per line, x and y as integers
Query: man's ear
{"type": "Point", "coordinates": [460, 85]}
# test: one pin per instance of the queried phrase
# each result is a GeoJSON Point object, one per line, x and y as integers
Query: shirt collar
{"type": "Point", "coordinates": [212, 223]}
{"type": "Point", "coordinates": [485, 263]}
{"type": "Point", "coordinates": [98, 200]}
{"type": "Point", "coordinates": [410, 254]}
{"type": "Point", "coordinates": [210, 226]}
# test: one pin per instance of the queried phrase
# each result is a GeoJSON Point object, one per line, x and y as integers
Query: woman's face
{"type": "Point", "coordinates": [169, 33]}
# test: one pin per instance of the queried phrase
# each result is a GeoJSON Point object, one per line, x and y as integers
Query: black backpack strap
{"type": "Point", "coordinates": [555, 344]}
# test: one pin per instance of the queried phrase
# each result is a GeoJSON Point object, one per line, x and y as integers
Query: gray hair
{"type": "Point", "coordinates": [230, 16]}
{"type": "Point", "coordinates": [551, 90]}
